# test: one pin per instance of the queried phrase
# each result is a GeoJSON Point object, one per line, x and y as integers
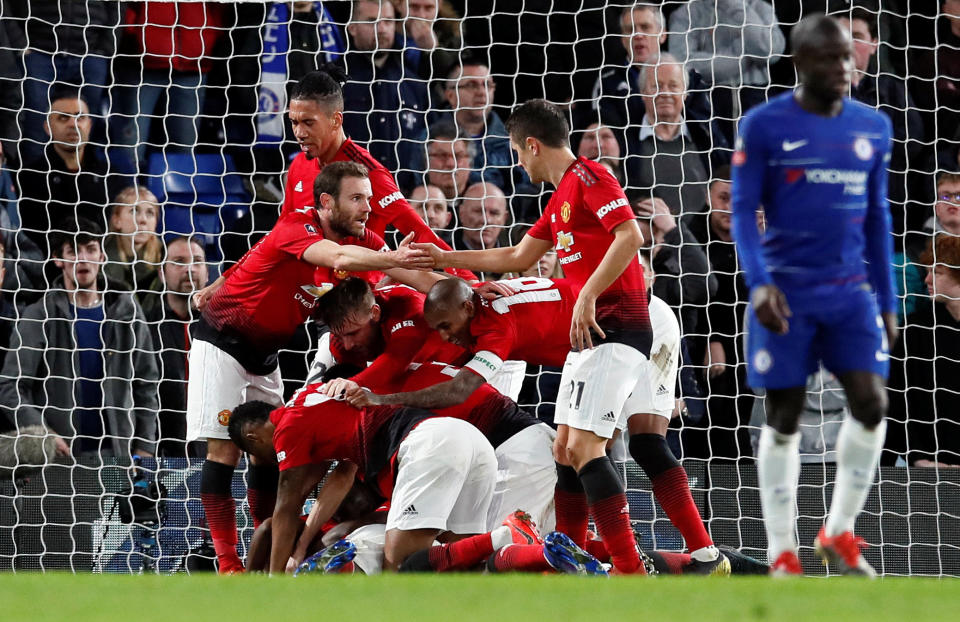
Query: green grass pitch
{"type": "Point", "coordinates": [461, 598]}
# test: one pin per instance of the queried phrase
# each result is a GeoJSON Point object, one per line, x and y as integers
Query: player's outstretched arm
{"type": "Point", "coordinates": [505, 259]}
{"type": "Point", "coordinates": [627, 240]}
{"type": "Point", "coordinates": [352, 258]}
{"type": "Point", "coordinates": [290, 496]}
{"type": "Point", "coordinates": [450, 393]}
{"type": "Point", "coordinates": [334, 491]}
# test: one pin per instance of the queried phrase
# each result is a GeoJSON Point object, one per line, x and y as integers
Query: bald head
{"type": "Point", "coordinates": [449, 308]}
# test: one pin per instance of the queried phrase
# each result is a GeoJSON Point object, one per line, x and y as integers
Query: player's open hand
{"type": "Point", "coordinates": [490, 290]}
{"type": "Point", "coordinates": [202, 296]}
{"type": "Point", "coordinates": [412, 258]}
{"type": "Point", "coordinates": [341, 389]}
{"type": "Point", "coordinates": [584, 319]}
{"type": "Point", "coordinates": [435, 252]}
{"type": "Point", "coordinates": [771, 308]}
{"type": "Point", "coordinates": [362, 398]}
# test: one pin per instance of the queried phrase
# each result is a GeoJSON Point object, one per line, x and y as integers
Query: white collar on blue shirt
{"type": "Point", "coordinates": [646, 129]}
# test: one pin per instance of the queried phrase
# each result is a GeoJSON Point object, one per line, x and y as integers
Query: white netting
{"type": "Point", "coordinates": [187, 100]}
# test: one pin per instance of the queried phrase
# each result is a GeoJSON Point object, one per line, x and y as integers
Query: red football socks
{"type": "Point", "coordinates": [672, 492]}
{"type": "Point", "coordinates": [461, 555]}
{"type": "Point", "coordinates": [571, 505]}
{"type": "Point", "coordinates": [221, 518]}
{"type": "Point", "coordinates": [521, 558]}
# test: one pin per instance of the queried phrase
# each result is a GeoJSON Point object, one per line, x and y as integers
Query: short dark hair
{"type": "Point", "coordinates": [323, 86]}
{"type": "Point", "coordinates": [844, 10]}
{"type": "Point", "coordinates": [539, 119]}
{"type": "Point", "coordinates": [248, 413]}
{"type": "Point", "coordinates": [467, 59]}
{"type": "Point", "coordinates": [189, 239]}
{"type": "Point", "coordinates": [444, 129]}
{"type": "Point", "coordinates": [65, 91]}
{"type": "Point", "coordinates": [328, 181]}
{"type": "Point", "coordinates": [336, 306]}
{"type": "Point", "coordinates": [74, 233]}
{"type": "Point", "coordinates": [721, 173]}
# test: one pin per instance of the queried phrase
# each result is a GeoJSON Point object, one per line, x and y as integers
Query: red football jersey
{"type": "Point", "coordinates": [313, 428]}
{"type": "Point", "coordinates": [388, 205]}
{"type": "Point", "coordinates": [532, 325]}
{"type": "Point", "coordinates": [404, 338]}
{"type": "Point", "coordinates": [271, 290]}
{"type": "Point", "coordinates": [579, 220]}
{"type": "Point", "coordinates": [497, 416]}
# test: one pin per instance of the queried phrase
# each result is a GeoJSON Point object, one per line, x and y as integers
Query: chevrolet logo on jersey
{"type": "Point", "coordinates": [564, 241]}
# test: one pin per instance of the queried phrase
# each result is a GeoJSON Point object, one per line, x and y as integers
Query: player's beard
{"type": "Point", "coordinates": [345, 225]}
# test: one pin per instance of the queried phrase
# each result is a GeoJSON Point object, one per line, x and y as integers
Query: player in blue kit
{"type": "Point", "coordinates": [820, 278]}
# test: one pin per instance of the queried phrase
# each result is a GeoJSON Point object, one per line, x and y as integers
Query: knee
{"type": "Point", "coordinates": [870, 408]}
{"type": "Point", "coordinates": [224, 452]}
{"type": "Point", "coordinates": [652, 454]}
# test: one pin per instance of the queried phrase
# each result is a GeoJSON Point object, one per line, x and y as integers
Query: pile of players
{"type": "Point", "coordinates": [408, 423]}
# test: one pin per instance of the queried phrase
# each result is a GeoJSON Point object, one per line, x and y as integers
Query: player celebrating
{"type": "Point", "coordinates": [816, 161]}
{"type": "Point", "coordinates": [589, 222]}
{"type": "Point", "coordinates": [316, 114]}
{"type": "Point", "coordinates": [263, 299]}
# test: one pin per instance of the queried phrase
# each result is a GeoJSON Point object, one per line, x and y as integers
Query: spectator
{"type": "Point", "coordinates": [447, 166]}
{"type": "Point", "coordinates": [429, 202]}
{"type": "Point", "coordinates": [68, 182]}
{"type": "Point", "coordinates": [888, 93]}
{"type": "Point", "coordinates": [287, 47]}
{"type": "Point", "coordinates": [133, 248]}
{"type": "Point", "coordinates": [11, 100]}
{"type": "Point", "coordinates": [617, 94]}
{"type": "Point", "coordinates": [167, 52]}
{"type": "Point", "coordinates": [84, 365]}
{"type": "Point", "coordinates": [483, 217]}
{"type": "Point", "coordinates": [184, 272]}
{"type": "Point", "coordinates": [469, 91]}
{"type": "Point", "coordinates": [936, 71]}
{"type": "Point", "coordinates": [23, 274]}
{"type": "Point", "coordinates": [431, 29]}
{"type": "Point", "coordinates": [924, 385]}
{"type": "Point", "coordinates": [387, 98]}
{"type": "Point", "coordinates": [598, 142]}
{"type": "Point", "coordinates": [732, 44]}
{"type": "Point", "coordinates": [65, 42]}
{"type": "Point", "coordinates": [8, 311]}
{"type": "Point", "coordinates": [547, 267]}
{"type": "Point", "coordinates": [668, 155]}
{"type": "Point", "coordinates": [722, 321]}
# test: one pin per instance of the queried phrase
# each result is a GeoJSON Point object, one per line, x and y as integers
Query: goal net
{"type": "Point", "coordinates": [162, 121]}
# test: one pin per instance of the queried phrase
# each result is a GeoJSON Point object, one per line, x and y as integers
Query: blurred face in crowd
{"type": "Point", "coordinates": [360, 331]}
{"type": "Point", "coordinates": [483, 213]}
{"type": "Point", "coordinates": [947, 208]}
{"type": "Point", "coordinates": [664, 93]}
{"type": "Point", "coordinates": [864, 45]}
{"type": "Point", "coordinates": [185, 269]}
{"type": "Point", "coordinates": [449, 165]}
{"type": "Point", "coordinates": [420, 9]}
{"type": "Point", "coordinates": [943, 283]}
{"type": "Point", "coordinates": [139, 219]}
{"type": "Point", "coordinates": [545, 267]}
{"type": "Point", "coordinates": [315, 126]}
{"type": "Point", "coordinates": [68, 122]}
{"type": "Point", "coordinates": [642, 34]}
{"type": "Point", "coordinates": [470, 91]}
{"type": "Point", "coordinates": [372, 26]}
{"type": "Point", "coordinates": [720, 210]}
{"type": "Point", "coordinates": [350, 209]}
{"type": "Point", "coordinates": [80, 264]}
{"type": "Point", "coordinates": [598, 141]}
{"type": "Point", "coordinates": [825, 64]}
{"type": "Point", "coordinates": [951, 8]}
{"type": "Point", "coordinates": [430, 204]}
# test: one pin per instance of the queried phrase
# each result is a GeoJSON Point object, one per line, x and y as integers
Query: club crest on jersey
{"type": "Point", "coordinates": [565, 211]}
{"type": "Point", "coordinates": [863, 148]}
{"type": "Point", "coordinates": [299, 186]}
{"type": "Point", "coordinates": [564, 241]}
{"type": "Point", "coordinates": [223, 417]}
{"type": "Point", "coordinates": [310, 229]}
{"type": "Point", "coordinates": [341, 274]}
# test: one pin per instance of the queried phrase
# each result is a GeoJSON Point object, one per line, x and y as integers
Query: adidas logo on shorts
{"type": "Point", "coordinates": [410, 510]}
{"type": "Point", "coordinates": [662, 390]}
{"type": "Point", "coordinates": [608, 416]}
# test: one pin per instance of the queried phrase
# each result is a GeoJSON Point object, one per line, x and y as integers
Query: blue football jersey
{"type": "Point", "coordinates": [822, 184]}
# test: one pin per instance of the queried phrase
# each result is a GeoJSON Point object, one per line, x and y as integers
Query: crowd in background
{"type": "Point", "coordinates": [100, 100]}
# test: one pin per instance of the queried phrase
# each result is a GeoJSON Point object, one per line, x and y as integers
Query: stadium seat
{"type": "Point", "coordinates": [201, 195]}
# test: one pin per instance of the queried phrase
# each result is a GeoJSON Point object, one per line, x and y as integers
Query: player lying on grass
{"type": "Point", "coordinates": [438, 472]}
{"type": "Point", "coordinates": [516, 327]}
{"type": "Point", "coordinates": [821, 281]}
{"type": "Point", "coordinates": [263, 299]}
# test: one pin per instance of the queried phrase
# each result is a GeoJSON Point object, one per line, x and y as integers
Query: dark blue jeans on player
{"type": "Point", "coordinates": [43, 73]}
{"type": "Point", "coordinates": [134, 106]}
